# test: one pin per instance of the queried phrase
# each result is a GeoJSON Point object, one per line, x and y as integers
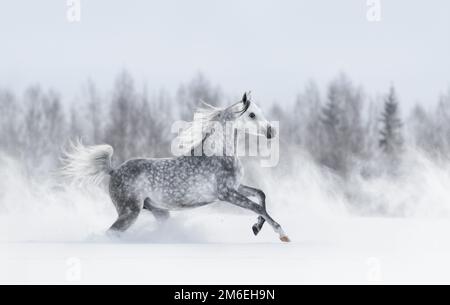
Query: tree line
{"type": "Point", "coordinates": [340, 127]}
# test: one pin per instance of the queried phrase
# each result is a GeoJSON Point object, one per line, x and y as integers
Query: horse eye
{"type": "Point", "coordinates": [252, 115]}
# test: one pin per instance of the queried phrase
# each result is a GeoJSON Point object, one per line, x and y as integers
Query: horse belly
{"type": "Point", "coordinates": [177, 191]}
{"type": "Point", "coordinates": [188, 193]}
{"type": "Point", "coordinates": [189, 200]}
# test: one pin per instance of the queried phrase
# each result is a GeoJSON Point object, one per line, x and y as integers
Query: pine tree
{"type": "Point", "coordinates": [331, 111]}
{"type": "Point", "coordinates": [391, 140]}
{"type": "Point", "coordinates": [331, 155]}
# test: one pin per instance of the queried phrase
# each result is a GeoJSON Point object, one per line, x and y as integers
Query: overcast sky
{"type": "Point", "coordinates": [269, 47]}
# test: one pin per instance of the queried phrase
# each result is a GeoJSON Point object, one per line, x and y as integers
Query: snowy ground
{"type": "Point", "coordinates": [344, 251]}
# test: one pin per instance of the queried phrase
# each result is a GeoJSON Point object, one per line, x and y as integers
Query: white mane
{"type": "Point", "coordinates": [198, 129]}
{"type": "Point", "coordinates": [203, 123]}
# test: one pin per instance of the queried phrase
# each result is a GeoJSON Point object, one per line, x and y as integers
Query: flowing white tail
{"type": "Point", "coordinates": [87, 164]}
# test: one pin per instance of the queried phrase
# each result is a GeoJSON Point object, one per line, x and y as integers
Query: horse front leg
{"type": "Point", "coordinates": [253, 192]}
{"type": "Point", "coordinates": [234, 197]}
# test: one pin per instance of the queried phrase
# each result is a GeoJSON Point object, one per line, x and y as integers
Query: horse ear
{"type": "Point", "coordinates": [244, 98]}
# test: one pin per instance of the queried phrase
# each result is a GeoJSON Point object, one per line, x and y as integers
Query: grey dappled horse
{"type": "Point", "coordinates": [186, 181]}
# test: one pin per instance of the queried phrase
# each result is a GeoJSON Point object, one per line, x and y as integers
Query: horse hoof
{"type": "Point", "coordinates": [285, 239]}
{"type": "Point", "coordinates": [256, 229]}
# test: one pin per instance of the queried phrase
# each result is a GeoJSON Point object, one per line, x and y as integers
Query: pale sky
{"type": "Point", "coordinates": [270, 47]}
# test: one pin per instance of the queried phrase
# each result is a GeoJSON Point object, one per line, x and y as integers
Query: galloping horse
{"type": "Point", "coordinates": [186, 181]}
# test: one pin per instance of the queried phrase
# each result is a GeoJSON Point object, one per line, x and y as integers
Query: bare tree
{"type": "Point", "coordinates": [305, 124]}
{"type": "Point", "coordinates": [442, 123]}
{"type": "Point", "coordinates": [424, 131]}
{"type": "Point", "coordinates": [342, 125]}
{"type": "Point", "coordinates": [151, 124]}
{"type": "Point", "coordinates": [119, 129]}
{"type": "Point", "coordinates": [198, 89]}
{"type": "Point", "coordinates": [94, 113]}
{"type": "Point", "coordinates": [43, 127]}
{"type": "Point", "coordinates": [10, 112]}
{"type": "Point", "coordinates": [76, 126]}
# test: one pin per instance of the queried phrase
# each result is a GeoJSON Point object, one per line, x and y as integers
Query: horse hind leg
{"type": "Point", "coordinates": [128, 211]}
{"type": "Point", "coordinates": [160, 214]}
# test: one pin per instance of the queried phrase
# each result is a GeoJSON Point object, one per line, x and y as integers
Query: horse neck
{"type": "Point", "coordinates": [228, 141]}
